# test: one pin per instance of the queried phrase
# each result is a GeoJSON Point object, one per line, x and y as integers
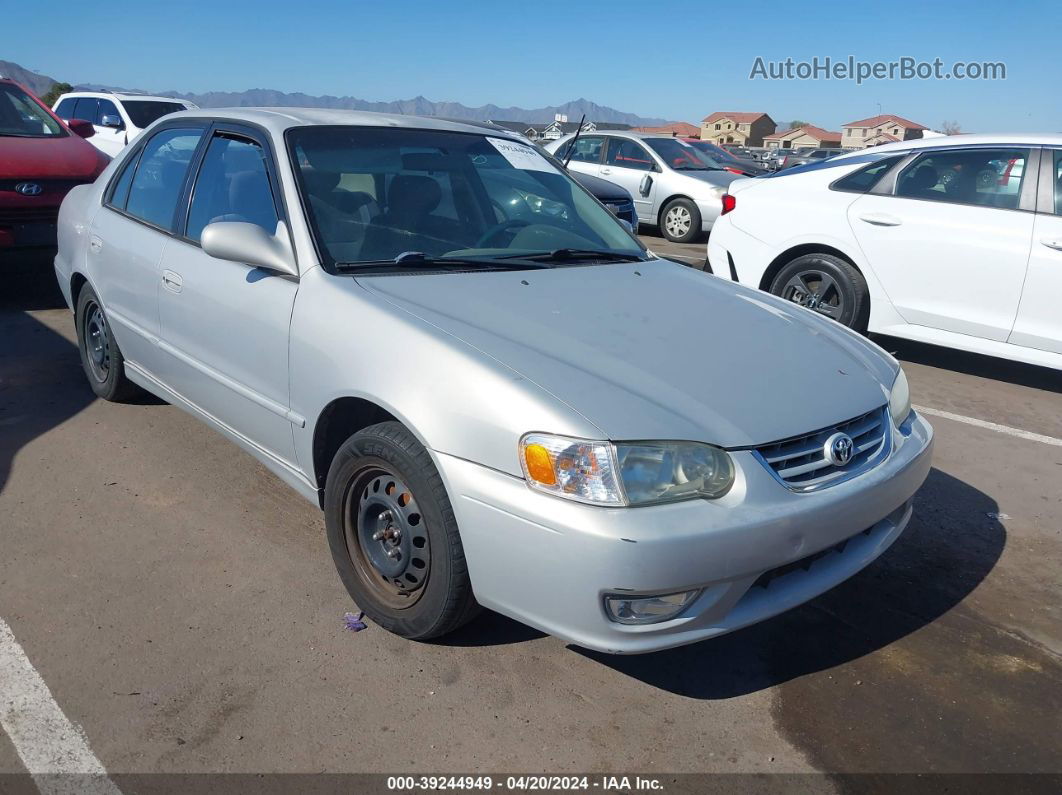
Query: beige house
{"type": "Point", "coordinates": [882, 129]}
{"type": "Point", "coordinates": [748, 129]}
{"type": "Point", "coordinates": [810, 135]}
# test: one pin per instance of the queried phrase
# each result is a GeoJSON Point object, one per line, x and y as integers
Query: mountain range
{"type": "Point", "coordinates": [264, 97]}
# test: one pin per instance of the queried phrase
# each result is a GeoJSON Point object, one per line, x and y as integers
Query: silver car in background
{"type": "Point", "coordinates": [497, 396]}
{"type": "Point", "coordinates": [672, 187]}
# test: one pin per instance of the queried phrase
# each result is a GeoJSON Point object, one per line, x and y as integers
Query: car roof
{"type": "Point", "coordinates": [120, 95]}
{"type": "Point", "coordinates": [978, 139]}
{"type": "Point", "coordinates": [277, 120]}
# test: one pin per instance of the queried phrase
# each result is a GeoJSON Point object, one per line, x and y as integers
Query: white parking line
{"type": "Point", "coordinates": [992, 426]}
{"type": "Point", "coordinates": [53, 749]}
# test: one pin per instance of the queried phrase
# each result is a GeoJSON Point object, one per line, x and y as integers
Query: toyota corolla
{"type": "Point", "coordinates": [495, 393]}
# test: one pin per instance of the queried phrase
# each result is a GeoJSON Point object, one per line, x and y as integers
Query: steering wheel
{"type": "Point", "coordinates": [497, 229]}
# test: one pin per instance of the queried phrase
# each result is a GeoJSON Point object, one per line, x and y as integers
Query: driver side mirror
{"type": "Point", "coordinates": [646, 185]}
{"type": "Point", "coordinates": [238, 241]}
{"type": "Point", "coordinates": [81, 127]}
{"type": "Point", "coordinates": [114, 122]}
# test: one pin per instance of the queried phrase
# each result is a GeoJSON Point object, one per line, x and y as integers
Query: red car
{"type": "Point", "coordinates": [41, 158]}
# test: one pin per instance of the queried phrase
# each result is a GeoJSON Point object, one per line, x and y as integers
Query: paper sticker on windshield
{"type": "Point", "coordinates": [521, 156]}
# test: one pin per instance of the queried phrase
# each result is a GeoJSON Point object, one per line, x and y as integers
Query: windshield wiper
{"type": "Point", "coordinates": [417, 260]}
{"type": "Point", "coordinates": [565, 254]}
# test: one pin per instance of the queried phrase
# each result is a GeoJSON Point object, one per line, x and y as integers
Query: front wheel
{"type": "Point", "coordinates": [393, 535]}
{"type": "Point", "coordinates": [828, 285]}
{"type": "Point", "coordinates": [680, 221]}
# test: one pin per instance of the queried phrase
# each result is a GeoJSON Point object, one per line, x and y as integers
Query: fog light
{"type": "Point", "coordinates": [647, 609]}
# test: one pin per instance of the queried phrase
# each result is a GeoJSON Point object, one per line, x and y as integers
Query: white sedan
{"type": "Point", "coordinates": [954, 241]}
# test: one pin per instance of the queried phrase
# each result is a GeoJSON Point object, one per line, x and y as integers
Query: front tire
{"type": "Point", "coordinates": [393, 535]}
{"type": "Point", "coordinates": [680, 221]}
{"type": "Point", "coordinates": [828, 285]}
{"type": "Point", "coordinates": [101, 358]}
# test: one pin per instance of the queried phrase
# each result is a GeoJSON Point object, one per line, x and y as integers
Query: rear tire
{"type": "Point", "coordinates": [680, 221]}
{"type": "Point", "coordinates": [828, 285]}
{"type": "Point", "coordinates": [393, 535]}
{"type": "Point", "coordinates": [101, 358]}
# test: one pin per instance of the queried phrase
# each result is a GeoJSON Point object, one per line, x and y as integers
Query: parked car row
{"type": "Point", "coordinates": [556, 445]}
{"type": "Point", "coordinates": [951, 241]}
{"type": "Point", "coordinates": [672, 185]}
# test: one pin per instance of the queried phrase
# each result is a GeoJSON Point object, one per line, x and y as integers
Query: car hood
{"type": "Point", "coordinates": [65, 157]}
{"type": "Point", "coordinates": [656, 350]}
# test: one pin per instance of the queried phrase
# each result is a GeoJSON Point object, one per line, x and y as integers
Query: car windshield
{"type": "Point", "coordinates": [22, 117]}
{"type": "Point", "coordinates": [143, 112]}
{"type": "Point", "coordinates": [374, 194]}
{"type": "Point", "coordinates": [678, 154]}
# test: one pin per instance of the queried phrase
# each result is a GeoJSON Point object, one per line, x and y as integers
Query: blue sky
{"type": "Point", "coordinates": [677, 61]}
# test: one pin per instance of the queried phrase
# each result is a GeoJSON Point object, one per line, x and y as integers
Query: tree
{"type": "Point", "coordinates": [56, 91]}
{"type": "Point", "coordinates": [798, 123]}
{"type": "Point", "coordinates": [950, 127]}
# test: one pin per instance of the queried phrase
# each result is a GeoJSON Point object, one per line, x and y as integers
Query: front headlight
{"type": "Point", "coordinates": [900, 399]}
{"type": "Point", "coordinates": [625, 473]}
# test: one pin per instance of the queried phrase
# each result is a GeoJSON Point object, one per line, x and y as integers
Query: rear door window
{"type": "Point", "coordinates": [160, 175]}
{"type": "Point", "coordinates": [65, 109]}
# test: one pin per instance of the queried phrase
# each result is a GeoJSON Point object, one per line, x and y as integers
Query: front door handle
{"type": "Point", "coordinates": [172, 281]}
{"type": "Point", "coordinates": [606, 170]}
{"type": "Point", "coordinates": [1055, 243]}
{"type": "Point", "coordinates": [880, 219]}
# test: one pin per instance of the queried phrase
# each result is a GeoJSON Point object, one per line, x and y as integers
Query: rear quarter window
{"type": "Point", "coordinates": [863, 179]}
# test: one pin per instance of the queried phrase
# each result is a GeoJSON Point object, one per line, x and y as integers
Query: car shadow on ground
{"type": "Point", "coordinates": [950, 546]}
{"type": "Point", "coordinates": [42, 384]}
{"type": "Point", "coordinates": [975, 364]}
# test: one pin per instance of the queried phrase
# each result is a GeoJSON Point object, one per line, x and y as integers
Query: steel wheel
{"type": "Point", "coordinates": [677, 221]}
{"type": "Point", "coordinates": [387, 540]}
{"type": "Point", "coordinates": [816, 290]}
{"type": "Point", "coordinates": [97, 342]}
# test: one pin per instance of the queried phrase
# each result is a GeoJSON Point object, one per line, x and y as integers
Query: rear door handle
{"type": "Point", "coordinates": [172, 281]}
{"type": "Point", "coordinates": [880, 219]}
{"type": "Point", "coordinates": [606, 170]}
{"type": "Point", "coordinates": [1055, 243]}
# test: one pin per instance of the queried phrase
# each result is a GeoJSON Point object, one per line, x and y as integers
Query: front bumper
{"type": "Point", "coordinates": [549, 562]}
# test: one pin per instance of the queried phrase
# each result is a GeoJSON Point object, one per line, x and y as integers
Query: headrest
{"type": "Point", "coordinates": [413, 194]}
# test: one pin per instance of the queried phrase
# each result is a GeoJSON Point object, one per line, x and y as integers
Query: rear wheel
{"type": "Point", "coordinates": [101, 358]}
{"type": "Point", "coordinates": [393, 535]}
{"type": "Point", "coordinates": [680, 221]}
{"type": "Point", "coordinates": [828, 285]}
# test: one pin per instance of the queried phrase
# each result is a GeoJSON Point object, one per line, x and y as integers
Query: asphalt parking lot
{"type": "Point", "coordinates": [181, 605]}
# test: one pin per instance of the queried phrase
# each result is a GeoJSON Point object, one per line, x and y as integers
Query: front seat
{"type": "Point", "coordinates": [407, 224]}
{"type": "Point", "coordinates": [921, 183]}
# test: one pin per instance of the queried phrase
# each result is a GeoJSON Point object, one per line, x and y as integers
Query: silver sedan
{"type": "Point", "coordinates": [497, 396]}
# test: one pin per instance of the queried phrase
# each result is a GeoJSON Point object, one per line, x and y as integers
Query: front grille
{"type": "Point", "coordinates": [48, 186]}
{"type": "Point", "coordinates": [805, 563]}
{"type": "Point", "coordinates": [10, 216]}
{"type": "Point", "coordinates": [800, 463]}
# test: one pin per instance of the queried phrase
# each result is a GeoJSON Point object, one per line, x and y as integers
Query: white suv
{"type": "Point", "coordinates": [118, 118]}
{"type": "Point", "coordinates": [953, 241]}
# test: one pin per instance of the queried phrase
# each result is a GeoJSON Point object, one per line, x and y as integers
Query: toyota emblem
{"type": "Point", "coordinates": [838, 449]}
